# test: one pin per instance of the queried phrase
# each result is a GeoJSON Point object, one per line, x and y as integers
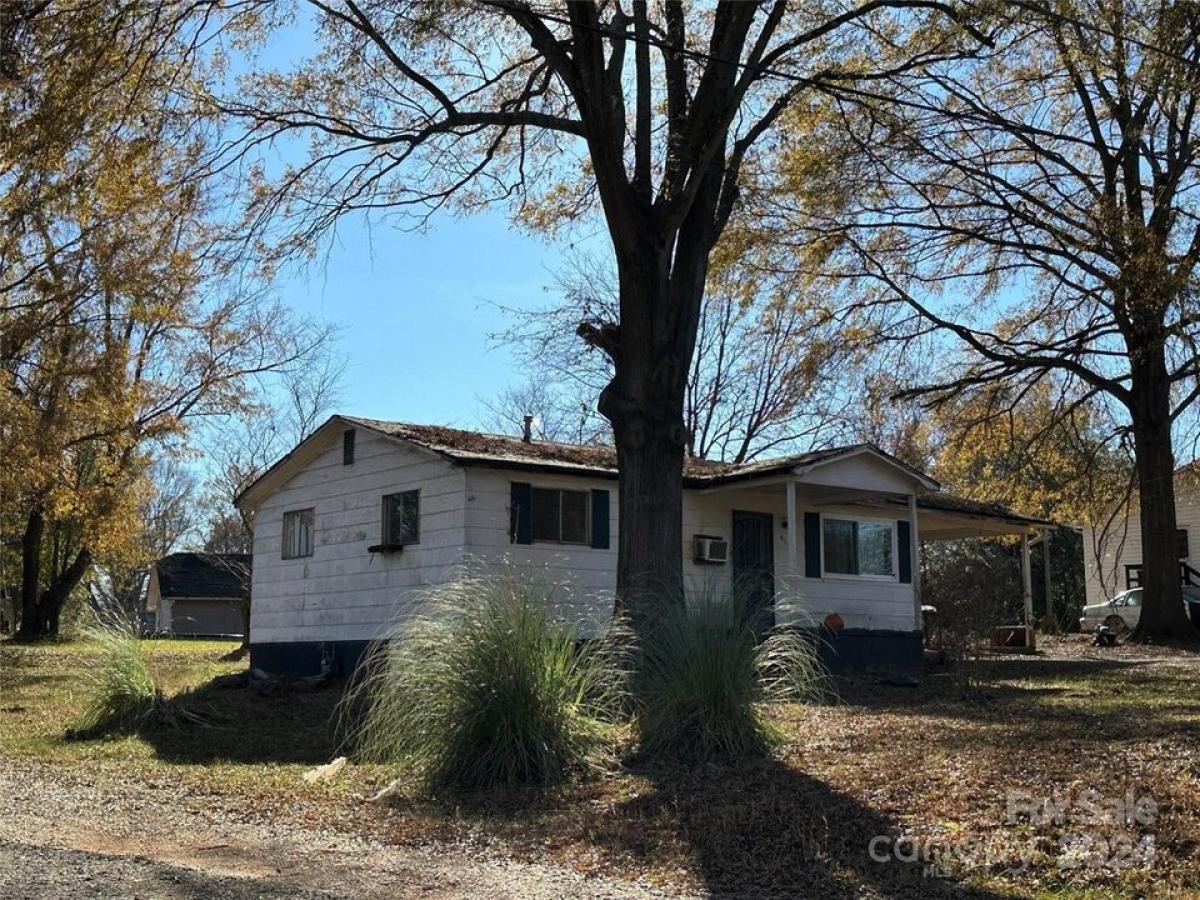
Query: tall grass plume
{"type": "Point", "coordinates": [120, 690]}
{"type": "Point", "coordinates": [704, 676]}
{"type": "Point", "coordinates": [482, 689]}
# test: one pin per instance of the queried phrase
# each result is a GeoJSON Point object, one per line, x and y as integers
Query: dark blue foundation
{"type": "Point", "coordinates": [303, 658]}
{"type": "Point", "coordinates": [866, 650]}
{"type": "Point", "coordinates": [844, 651]}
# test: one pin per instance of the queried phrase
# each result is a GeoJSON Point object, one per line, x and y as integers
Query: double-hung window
{"type": "Point", "coordinates": [297, 534]}
{"type": "Point", "coordinates": [402, 518]}
{"type": "Point", "coordinates": [560, 516]}
{"type": "Point", "coordinates": [859, 547]}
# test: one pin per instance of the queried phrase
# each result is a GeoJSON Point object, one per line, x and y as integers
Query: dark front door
{"type": "Point", "coordinates": [754, 568]}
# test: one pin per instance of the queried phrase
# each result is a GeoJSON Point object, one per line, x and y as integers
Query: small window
{"type": "Point", "coordinates": [1133, 576]}
{"type": "Point", "coordinates": [402, 518]}
{"type": "Point", "coordinates": [560, 516]}
{"type": "Point", "coordinates": [348, 447]}
{"type": "Point", "coordinates": [297, 534]}
{"type": "Point", "coordinates": [852, 547]}
{"type": "Point", "coordinates": [1181, 543]}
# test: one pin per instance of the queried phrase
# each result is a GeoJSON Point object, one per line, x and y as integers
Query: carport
{"type": "Point", "coordinates": [946, 517]}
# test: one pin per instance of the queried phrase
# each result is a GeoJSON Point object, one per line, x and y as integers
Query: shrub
{"type": "Point", "coordinates": [703, 677]}
{"type": "Point", "coordinates": [975, 585]}
{"type": "Point", "coordinates": [120, 687]}
{"type": "Point", "coordinates": [482, 689]}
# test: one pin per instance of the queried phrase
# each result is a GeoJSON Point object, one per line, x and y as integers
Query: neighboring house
{"type": "Point", "coordinates": [1112, 548]}
{"type": "Point", "coordinates": [199, 593]}
{"type": "Point", "coordinates": [362, 515]}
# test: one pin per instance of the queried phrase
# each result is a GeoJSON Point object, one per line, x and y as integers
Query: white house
{"type": "Point", "coordinates": [1112, 548]}
{"type": "Point", "coordinates": [362, 515]}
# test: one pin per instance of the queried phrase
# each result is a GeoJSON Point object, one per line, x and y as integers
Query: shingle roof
{"type": "Point", "coordinates": [213, 575]}
{"type": "Point", "coordinates": [506, 451]}
{"type": "Point", "coordinates": [954, 503]}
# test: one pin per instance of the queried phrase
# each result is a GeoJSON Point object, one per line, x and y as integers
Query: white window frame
{"type": "Point", "coordinates": [894, 578]}
{"type": "Point", "coordinates": [312, 533]}
{"type": "Point", "coordinates": [587, 516]}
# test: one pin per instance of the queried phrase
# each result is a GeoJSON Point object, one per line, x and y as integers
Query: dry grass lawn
{"type": "Point", "coordinates": [940, 765]}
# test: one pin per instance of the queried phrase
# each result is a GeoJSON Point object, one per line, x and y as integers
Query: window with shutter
{"type": "Point", "coordinates": [559, 516]}
{"type": "Point", "coordinates": [858, 547]}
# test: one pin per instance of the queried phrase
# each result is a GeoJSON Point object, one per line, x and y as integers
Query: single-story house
{"type": "Point", "coordinates": [1112, 548]}
{"type": "Point", "coordinates": [200, 593]}
{"type": "Point", "coordinates": [364, 514]}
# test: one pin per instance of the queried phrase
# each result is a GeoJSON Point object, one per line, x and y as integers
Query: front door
{"type": "Point", "coordinates": [754, 568]}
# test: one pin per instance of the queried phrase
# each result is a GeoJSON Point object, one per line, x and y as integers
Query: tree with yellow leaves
{"type": "Point", "coordinates": [119, 322]}
{"type": "Point", "coordinates": [1039, 452]}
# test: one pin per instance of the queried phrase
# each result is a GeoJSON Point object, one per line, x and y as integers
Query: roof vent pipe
{"type": "Point", "coordinates": [527, 434]}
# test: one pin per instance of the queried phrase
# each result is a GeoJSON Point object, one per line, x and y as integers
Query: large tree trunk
{"type": "Point", "coordinates": [644, 402]}
{"type": "Point", "coordinates": [55, 597]}
{"type": "Point", "coordinates": [41, 610]}
{"type": "Point", "coordinates": [1163, 617]}
{"type": "Point", "coordinates": [650, 554]}
{"type": "Point", "coordinates": [30, 624]}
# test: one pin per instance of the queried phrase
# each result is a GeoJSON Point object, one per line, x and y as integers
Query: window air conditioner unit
{"type": "Point", "coordinates": [708, 549]}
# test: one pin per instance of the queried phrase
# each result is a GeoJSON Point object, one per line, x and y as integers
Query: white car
{"type": "Point", "coordinates": [1122, 612]}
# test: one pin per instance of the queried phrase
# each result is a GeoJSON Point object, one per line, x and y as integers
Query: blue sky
{"type": "Point", "coordinates": [416, 310]}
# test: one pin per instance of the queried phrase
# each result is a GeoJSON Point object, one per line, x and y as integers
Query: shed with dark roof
{"type": "Point", "coordinates": [200, 593]}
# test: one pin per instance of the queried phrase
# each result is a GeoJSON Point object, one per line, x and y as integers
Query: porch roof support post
{"type": "Point", "coordinates": [914, 554]}
{"type": "Point", "coordinates": [793, 529]}
{"type": "Point", "coordinates": [1052, 621]}
{"type": "Point", "coordinates": [1026, 580]}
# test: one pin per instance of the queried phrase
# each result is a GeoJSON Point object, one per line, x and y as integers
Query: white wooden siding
{"type": "Point", "coordinates": [588, 573]}
{"type": "Point", "coordinates": [864, 471]}
{"type": "Point", "coordinates": [342, 592]}
{"type": "Point", "coordinates": [861, 602]}
{"type": "Point", "coordinates": [591, 573]}
{"type": "Point", "coordinates": [1109, 548]}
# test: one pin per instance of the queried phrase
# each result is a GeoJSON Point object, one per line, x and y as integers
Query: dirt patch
{"type": "Point", "coordinates": [138, 840]}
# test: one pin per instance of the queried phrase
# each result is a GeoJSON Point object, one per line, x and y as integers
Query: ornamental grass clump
{"type": "Point", "coordinates": [482, 689]}
{"type": "Point", "coordinates": [704, 677]}
{"type": "Point", "coordinates": [120, 689]}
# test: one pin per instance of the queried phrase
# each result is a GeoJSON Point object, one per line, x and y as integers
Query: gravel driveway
{"type": "Point", "coordinates": [33, 872]}
{"type": "Point", "coordinates": [64, 836]}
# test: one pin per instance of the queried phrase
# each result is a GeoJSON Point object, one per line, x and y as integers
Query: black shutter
{"type": "Point", "coordinates": [521, 514]}
{"type": "Point", "coordinates": [904, 549]}
{"type": "Point", "coordinates": [600, 519]}
{"type": "Point", "coordinates": [348, 447]}
{"type": "Point", "coordinates": [812, 545]}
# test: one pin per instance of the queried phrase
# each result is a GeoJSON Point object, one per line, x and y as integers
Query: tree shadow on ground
{"type": "Point", "coordinates": [225, 721]}
{"type": "Point", "coordinates": [765, 829]}
{"type": "Point", "coordinates": [1071, 697]}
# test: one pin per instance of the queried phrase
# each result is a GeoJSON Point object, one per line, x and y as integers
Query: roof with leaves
{"type": "Point", "coordinates": [505, 451]}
